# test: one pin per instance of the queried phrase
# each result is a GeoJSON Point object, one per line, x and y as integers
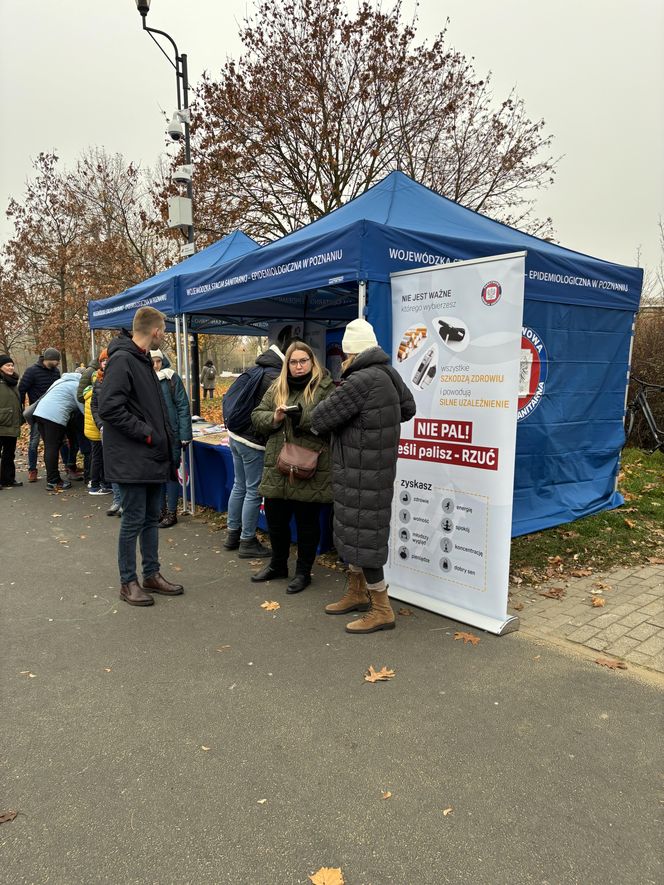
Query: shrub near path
{"type": "Point", "coordinates": [631, 535]}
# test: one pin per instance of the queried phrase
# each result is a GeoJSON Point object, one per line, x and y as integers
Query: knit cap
{"type": "Point", "coordinates": [359, 336]}
{"type": "Point", "coordinates": [5, 358]}
{"type": "Point", "coordinates": [51, 354]}
{"type": "Point", "coordinates": [156, 355]}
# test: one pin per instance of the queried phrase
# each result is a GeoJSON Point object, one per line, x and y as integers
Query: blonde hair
{"type": "Point", "coordinates": [280, 389]}
{"type": "Point", "coordinates": [350, 359]}
{"type": "Point", "coordinates": [146, 319]}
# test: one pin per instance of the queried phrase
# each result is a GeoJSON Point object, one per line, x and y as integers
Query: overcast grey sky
{"type": "Point", "coordinates": [75, 74]}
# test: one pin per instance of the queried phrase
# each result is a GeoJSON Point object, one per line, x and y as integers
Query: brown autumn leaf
{"type": "Point", "coordinates": [554, 559]}
{"type": "Point", "coordinates": [467, 637]}
{"type": "Point", "coordinates": [205, 748]}
{"type": "Point", "coordinates": [553, 593]}
{"type": "Point", "coordinates": [656, 560]}
{"type": "Point", "coordinates": [597, 602]}
{"type": "Point", "coordinates": [581, 572]}
{"type": "Point", "coordinates": [611, 664]}
{"type": "Point", "coordinates": [223, 647]}
{"type": "Point", "coordinates": [601, 586]}
{"type": "Point", "coordinates": [629, 523]}
{"type": "Point", "coordinates": [270, 606]}
{"type": "Point", "coordinates": [177, 568]}
{"type": "Point", "coordinates": [373, 675]}
{"type": "Point", "coordinates": [448, 810]}
{"type": "Point", "coordinates": [517, 606]}
{"type": "Point", "coordinates": [405, 612]}
{"type": "Point", "coordinates": [82, 537]}
{"type": "Point", "coordinates": [6, 816]}
{"type": "Point", "coordinates": [328, 876]}
{"type": "Point", "coordinates": [107, 669]}
{"type": "Point", "coordinates": [55, 515]}
{"type": "Point", "coordinates": [386, 795]}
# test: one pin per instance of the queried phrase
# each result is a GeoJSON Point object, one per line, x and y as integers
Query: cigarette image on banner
{"type": "Point", "coordinates": [412, 339]}
{"type": "Point", "coordinates": [453, 332]}
{"type": "Point", "coordinates": [425, 369]}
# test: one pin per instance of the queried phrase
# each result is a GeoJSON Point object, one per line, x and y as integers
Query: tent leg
{"type": "Point", "coordinates": [187, 386]}
{"type": "Point", "coordinates": [93, 345]}
{"type": "Point", "coordinates": [361, 298]}
{"type": "Point", "coordinates": [178, 346]}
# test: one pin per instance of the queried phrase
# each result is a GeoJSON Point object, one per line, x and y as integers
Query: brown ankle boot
{"type": "Point", "coordinates": [134, 594]}
{"type": "Point", "coordinates": [355, 599]}
{"type": "Point", "coordinates": [379, 617]}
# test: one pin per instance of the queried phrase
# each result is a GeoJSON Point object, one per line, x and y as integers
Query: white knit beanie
{"type": "Point", "coordinates": [359, 336]}
{"type": "Point", "coordinates": [156, 355]}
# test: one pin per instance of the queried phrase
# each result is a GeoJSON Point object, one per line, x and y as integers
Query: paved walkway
{"type": "Point", "coordinates": [629, 626]}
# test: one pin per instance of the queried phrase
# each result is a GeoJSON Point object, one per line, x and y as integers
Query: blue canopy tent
{"type": "Point", "coordinates": [160, 291]}
{"type": "Point", "coordinates": [578, 319]}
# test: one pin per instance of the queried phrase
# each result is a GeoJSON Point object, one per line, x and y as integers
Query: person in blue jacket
{"type": "Point", "coordinates": [52, 414]}
{"type": "Point", "coordinates": [179, 413]}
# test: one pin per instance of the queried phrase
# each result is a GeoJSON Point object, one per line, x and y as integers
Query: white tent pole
{"type": "Point", "coordinates": [178, 346]}
{"type": "Point", "coordinates": [93, 346]}
{"type": "Point", "coordinates": [361, 298]}
{"type": "Point", "coordinates": [188, 387]}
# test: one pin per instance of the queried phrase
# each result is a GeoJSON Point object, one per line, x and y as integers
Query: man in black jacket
{"type": "Point", "coordinates": [137, 451]}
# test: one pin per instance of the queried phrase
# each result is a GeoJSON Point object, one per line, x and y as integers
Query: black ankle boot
{"type": "Point", "coordinates": [169, 519]}
{"type": "Point", "coordinates": [252, 548]}
{"type": "Point", "coordinates": [298, 583]}
{"type": "Point", "coordinates": [269, 573]}
{"type": "Point", "coordinates": [232, 541]}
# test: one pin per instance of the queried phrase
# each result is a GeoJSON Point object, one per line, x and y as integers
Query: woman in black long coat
{"type": "Point", "coordinates": [364, 415]}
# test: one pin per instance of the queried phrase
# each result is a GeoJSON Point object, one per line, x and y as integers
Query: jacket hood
{"type": "Point", "coordinates": [71, 376]}
{"type": "Point", "coordinates": [271, 359]}
{"type": "Point", "coordinates": [373, 356]}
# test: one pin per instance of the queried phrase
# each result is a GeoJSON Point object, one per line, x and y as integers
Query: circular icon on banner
{"type": "Point", "coordinates": [446, 545]}
{"type": "Point", "coordinates": [533, 371]}
{"type": "Point", "coordinates": [448, 505]}
{"type": "Point", "coordinates": [404, 535]}
{"type": "Point", "coordinates": [491, 293]}
{"type": "Point", "coordinates": [404, 516]}
{"type": "Point", "coordinates": [445, 564]}
{"type": "Point", "coordinates": [403, 553]}
{"type": "Point", "coordinates": [447, 525]}
{"type": "Point", "coordinates": [404, 497]}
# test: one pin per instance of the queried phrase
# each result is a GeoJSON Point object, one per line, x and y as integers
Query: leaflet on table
{"type": "Point", "coordinates": [203, 429]}
{"type": "Point", "coordinates": [457, 345]}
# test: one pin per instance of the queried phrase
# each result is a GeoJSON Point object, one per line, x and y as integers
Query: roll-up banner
{"type": "Point", "coordinates": [457, 346]}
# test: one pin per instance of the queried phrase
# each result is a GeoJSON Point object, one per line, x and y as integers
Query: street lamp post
{"type": "Point", "coordinates": [181, 116]}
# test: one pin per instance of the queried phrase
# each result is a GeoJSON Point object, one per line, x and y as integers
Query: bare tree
{"type": "Point", "coordinates": [322, 104]}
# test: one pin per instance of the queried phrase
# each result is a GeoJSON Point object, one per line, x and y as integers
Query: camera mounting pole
{"type": "Point", "coordinates": [182, 85]}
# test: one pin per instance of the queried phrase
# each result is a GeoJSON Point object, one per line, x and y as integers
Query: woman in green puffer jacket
{"type": "Point", "coordinates": [302, 383]}
{"type": "Point", "coordinates": [11, 418]}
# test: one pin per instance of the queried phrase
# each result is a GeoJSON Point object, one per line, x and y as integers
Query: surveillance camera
{"type": "Point", "coordinates": [175, 129]}
{"type": "Point", "coordinates": [182, 174]}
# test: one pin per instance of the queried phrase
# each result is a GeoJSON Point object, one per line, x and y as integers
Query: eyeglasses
{"type": "Point", "coordinates": [303, 362]}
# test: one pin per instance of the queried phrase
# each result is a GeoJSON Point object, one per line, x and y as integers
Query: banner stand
{"type": "Point", "coordinates": [497, 626]}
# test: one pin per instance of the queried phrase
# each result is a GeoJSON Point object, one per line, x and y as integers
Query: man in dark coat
{"type": "Point", "coordinates": [364, 416]}
{"type": "Point", "coordinates": [137, 451]}
{"type": "Point", "coordinates": [35, 382]}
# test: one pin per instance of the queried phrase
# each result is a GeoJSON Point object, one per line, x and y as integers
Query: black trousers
{"type": "Point", "coordinates": [97, 469]}
{"type": "Point", "coordinates": [53, 435]}
{"type": "Point", "coordinates": [208, 391]}
{"type": "Point", "coordinates": [307, 520]}
{"type": "Point", "coordinates": [7, 452]}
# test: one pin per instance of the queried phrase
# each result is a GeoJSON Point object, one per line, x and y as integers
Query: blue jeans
{"type": "Point", "coordinates": [117, 497]}
{"type": "Point", "coordinates": [170, 495]}
{"type": "Point", "coordinates": [141, 506]}
{"type": "Point", "coordinates": [244, 502]}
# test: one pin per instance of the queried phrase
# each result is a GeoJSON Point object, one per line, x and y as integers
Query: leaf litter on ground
{"type": "Point", "coordinates": [467, 637]}
{"type": "Point", "coordinates": [382, 675]}
{"type": "Point", "coordinates": [328, 876]}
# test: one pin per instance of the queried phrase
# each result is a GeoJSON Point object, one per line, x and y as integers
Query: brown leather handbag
{"type": "Point", "coordinates": [296, 462]}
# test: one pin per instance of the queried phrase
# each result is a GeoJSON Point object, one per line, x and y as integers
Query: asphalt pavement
{"type": "Point", "coordinates": [208, 740]}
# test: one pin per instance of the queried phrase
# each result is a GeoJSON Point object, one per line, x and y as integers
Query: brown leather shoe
{"type": "Point", "coordinates": [158, 584]}
{"type": "Point", "coordinates": [134, 594]}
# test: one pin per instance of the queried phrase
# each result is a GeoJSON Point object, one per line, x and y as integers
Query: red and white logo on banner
{"type": "Point", "coordinates": [491, 293]}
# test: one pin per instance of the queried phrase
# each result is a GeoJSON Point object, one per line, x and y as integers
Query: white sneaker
{"type": "Point", "coordinates": [100, 492]}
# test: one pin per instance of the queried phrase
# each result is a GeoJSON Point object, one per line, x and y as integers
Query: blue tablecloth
{"type": "Point", "coordinates": [214, 475]}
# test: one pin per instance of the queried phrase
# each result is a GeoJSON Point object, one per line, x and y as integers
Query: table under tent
{"type": "Point", "coordinates": [577, 325]}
